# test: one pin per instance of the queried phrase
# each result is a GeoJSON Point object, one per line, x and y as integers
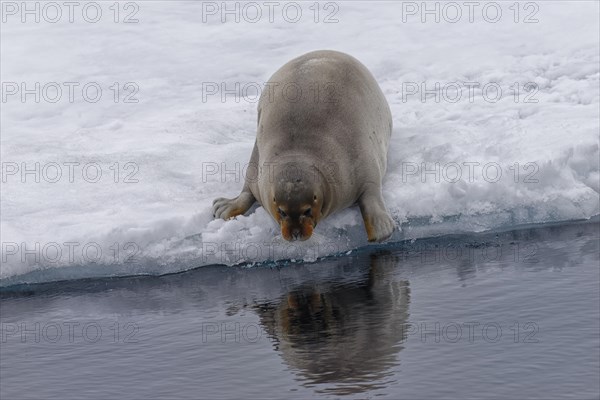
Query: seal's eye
{"type": "Point", "coordinates": [308, 212]}
{"type": "Point", "coordinates": [315, 197]}
{"type": "Point", "coordinates": [281, 213]}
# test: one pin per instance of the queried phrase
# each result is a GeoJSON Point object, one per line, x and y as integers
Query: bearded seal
{"type": "Point", "coordinates": [321, 146]}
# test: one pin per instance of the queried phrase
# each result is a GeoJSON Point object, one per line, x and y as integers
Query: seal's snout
{"type": "Point", "coordinates": [294, 234]}
{"type": "Point", "coordinates": [297, 235]}
{"type": "Point", "coordinates": [292, 231]}
{"type": "Point", "coordinates": [297, 214]}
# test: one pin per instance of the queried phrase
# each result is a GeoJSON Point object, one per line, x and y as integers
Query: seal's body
{"type": "Point", "coordinates": [321, 146]}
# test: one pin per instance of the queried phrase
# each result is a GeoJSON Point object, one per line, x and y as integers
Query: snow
{"type": "Point", "coordinates": [174, 146]}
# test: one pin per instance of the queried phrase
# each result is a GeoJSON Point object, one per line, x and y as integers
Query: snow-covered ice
{"type": "Point", "coordinates": [463, 164]}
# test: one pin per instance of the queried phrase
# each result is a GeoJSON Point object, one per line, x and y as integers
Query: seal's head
{"type": "Point", "coordinates": [296, 204]}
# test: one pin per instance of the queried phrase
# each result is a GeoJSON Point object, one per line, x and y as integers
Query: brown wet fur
{"type": "Point", "coordinates": [371, 236]}
{"type": "Point", "coordinates": [235, 212]}
{"type": "Point", "coordinates": [305, 226]}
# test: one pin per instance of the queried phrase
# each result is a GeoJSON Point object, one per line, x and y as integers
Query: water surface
{"type": "Point", "coordinates": [496, 315]}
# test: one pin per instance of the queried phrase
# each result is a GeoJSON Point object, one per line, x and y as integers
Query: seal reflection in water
{"type": "Point", "coordinates": [344, 335]}
{"type": "Point", "coordinates": [319, 148]}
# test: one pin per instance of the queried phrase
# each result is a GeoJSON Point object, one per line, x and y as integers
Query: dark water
{"type": "Point", "coordinates": [507, 315]}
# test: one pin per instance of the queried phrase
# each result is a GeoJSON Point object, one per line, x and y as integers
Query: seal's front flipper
{"type": "Point", "coordinates": [378, 223]}
{"type": "Point", "coordinates": [229, 208]}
